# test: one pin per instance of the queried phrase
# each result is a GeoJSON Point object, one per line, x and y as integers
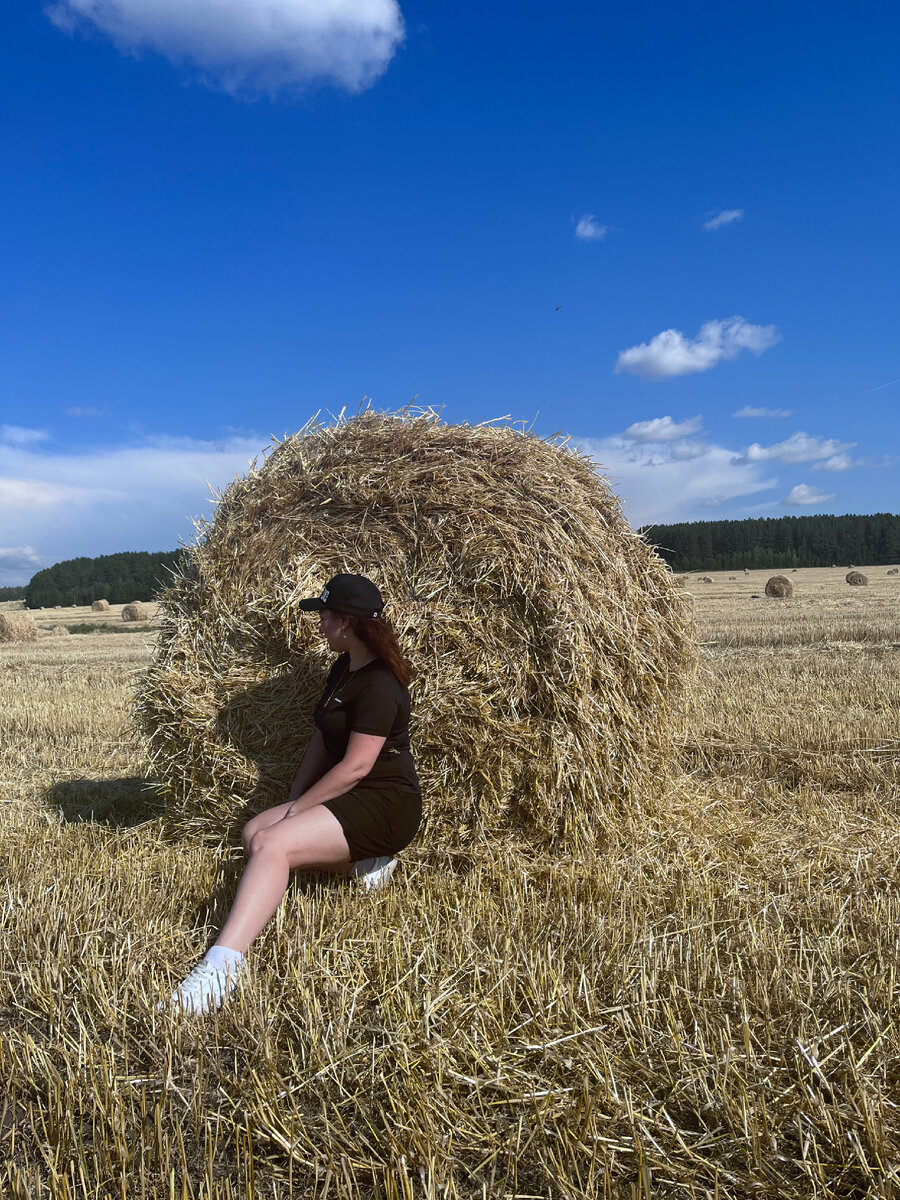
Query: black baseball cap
{"type": "Point", "coordinates": [351, 594]}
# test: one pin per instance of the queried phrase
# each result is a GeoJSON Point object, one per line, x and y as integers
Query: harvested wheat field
{"type": "Point", "coordinates": [705, 1005]}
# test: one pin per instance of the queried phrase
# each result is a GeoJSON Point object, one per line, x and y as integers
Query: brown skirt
{"type": "Point", "coordinates": [377, 821]}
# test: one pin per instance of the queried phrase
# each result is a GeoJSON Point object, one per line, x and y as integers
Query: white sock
{"type": "Point", "coordinates": [223, 958]}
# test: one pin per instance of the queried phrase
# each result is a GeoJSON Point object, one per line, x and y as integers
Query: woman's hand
{"type": "Point", "coordinates": [312, 788]}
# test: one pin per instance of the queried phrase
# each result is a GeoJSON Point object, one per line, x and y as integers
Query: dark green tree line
{"type": "Point", "coordinates": [118, 578]}
{"type": "Point", "coordinates": [815, 541]}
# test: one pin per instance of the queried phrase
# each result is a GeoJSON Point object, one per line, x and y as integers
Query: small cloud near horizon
{"type": "Point", "coordinates": [725, 216]}
{"type": "Point", "coordinates": [14, 560]}
{"type": "Point", "coordinates": [17, 435]}
{"type": "Point", "coordinates": [119, 497]}
{"type": "Point", "coordinates": [588, 230]}
{"type": "Point", "coordinates": [803, 494]}
{"type": "Point", "coordinates": [670, 353]}
{"type": "Point", "coordinates": [672, 480]}
{"type": "Point", "coordinates": [749, 411]}
{"type": "Point", "coordinates": [799, 447]}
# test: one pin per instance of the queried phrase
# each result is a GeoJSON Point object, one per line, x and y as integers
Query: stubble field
{"type": "Point", "coordinates": [707, 1009]}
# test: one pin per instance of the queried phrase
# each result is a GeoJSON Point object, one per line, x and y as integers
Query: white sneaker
{"type": "Point", "coordinates": [373, 873]}
{"type": "Point", "coordinates": [205, 990]}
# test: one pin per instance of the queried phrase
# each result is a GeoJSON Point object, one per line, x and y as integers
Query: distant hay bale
{"type": "Point", "coordinates": [731, 578]}
{"type": "Point", "coordinates": [17, 627]}
{"type": "Point", "coordinates": [136, 612]}
{"type": "Point", "coordinates": [857, 579]}
{"type": "Point", "coordinates": [548, 640]}
{"type": "Point", "coordinates": [100, 606]}
{"type": "Point", "coordinates": [704, 579]}
{"type": "Point", "coordinates": [779, 587]}
{"type": "Point", "coordinates": [892, 571]}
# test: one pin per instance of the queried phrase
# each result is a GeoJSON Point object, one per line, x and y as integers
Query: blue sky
{"type": "Point", "coordinates": [627, 224]}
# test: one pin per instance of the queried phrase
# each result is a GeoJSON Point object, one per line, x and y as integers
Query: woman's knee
{"type": "Point", "coordinates": [248, 831]}
{"type": "Point", "coordinates": [263, 840]}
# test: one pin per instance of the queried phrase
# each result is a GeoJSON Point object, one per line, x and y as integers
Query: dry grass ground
{"type": "Point", "coordinates": [708, 1008]}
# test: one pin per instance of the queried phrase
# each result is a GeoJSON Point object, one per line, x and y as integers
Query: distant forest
{"type": "Point", "coordinates": [118, 578]}
{"type": "Point", "coordinates": [12, 593]}
{"type": "Point", "coordinates": [820, 541]}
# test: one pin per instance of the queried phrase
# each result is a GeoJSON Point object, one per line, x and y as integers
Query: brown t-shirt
{"type": "Point", "coordinates": [369, 700]}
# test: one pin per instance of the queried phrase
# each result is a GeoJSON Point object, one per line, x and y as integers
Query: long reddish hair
{"type": "Point", "coordinates": [378, 634]}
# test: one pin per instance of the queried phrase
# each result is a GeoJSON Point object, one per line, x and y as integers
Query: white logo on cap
{"type": "Point", "coordinates": [324, 595]}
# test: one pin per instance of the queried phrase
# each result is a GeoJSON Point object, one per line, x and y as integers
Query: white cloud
{"type": "Point", "coordinates": [99, 501]}
{"type": "Point", "coordinates": [670, 353]}
{"type": "Point", "coordinates": [837, 462]}
{"type": "Point", "coordinates": [32, 495]}
{"type": "Point", "coordinates": [670, 481]}
{"type": "Point", "coordinates": [749, 411]}
{"type": "Point", "coordinates": [78, 410]}
{"type": "Point", "coordinates": [252, 46]}
{"type": "Point", "coordinates": [799, 447]}
{"type": "Point", "coordinates": [663, 429]}
{"type": "Point", "coordinates": [16, 435]}
{"type": "Point", "coordinates": [18, 564]}
{"type": "Point", "coordinates": [723, 217]}
{"type": "Point", "coordinates": [588, 230]}
{"type": "Point", "coordinates": [804, 494]}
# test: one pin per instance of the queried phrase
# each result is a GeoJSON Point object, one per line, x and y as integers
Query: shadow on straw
{"type": "Point", "coordinates": [119, 803]}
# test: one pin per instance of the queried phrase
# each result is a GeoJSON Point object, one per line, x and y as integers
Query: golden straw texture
{"type": "Point", "coordinates": [549, 640]}
{"type": "Point", "coordinates": [17, 627]}
{"type": "Point", "coordinates": [136, 612]}
{"type": "Point", "coordinates": [780, 587]}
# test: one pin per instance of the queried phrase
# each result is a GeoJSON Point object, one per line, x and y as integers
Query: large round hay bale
{"type": "Point", "coordinates": [100, 606]}
{"type": "Point", "coordinates": [136, 612]}
{"type": "Point", "coordinates": [857, 579]}
{"type": "Point", "coordinates": [547, 638]}
{"type": "Point", "coordinates": [780, 587]}
{"type": "Point", "coordinates": [17, 627]}
{"type": "Point", "coordinates": [892, 571]}
{"type": "Point", "coordinates": [704, 579]}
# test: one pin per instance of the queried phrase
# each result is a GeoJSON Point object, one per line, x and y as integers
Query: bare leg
{"type": "Point", "coordinates": [271, 816]}
{"type": "Point", "coordinates": [313, 837]}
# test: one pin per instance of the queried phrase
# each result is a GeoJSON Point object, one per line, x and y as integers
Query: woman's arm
{"type": "Point", "coordinates": [316, 761]}
{"type": "Point", "coordinates": [362, 750]}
